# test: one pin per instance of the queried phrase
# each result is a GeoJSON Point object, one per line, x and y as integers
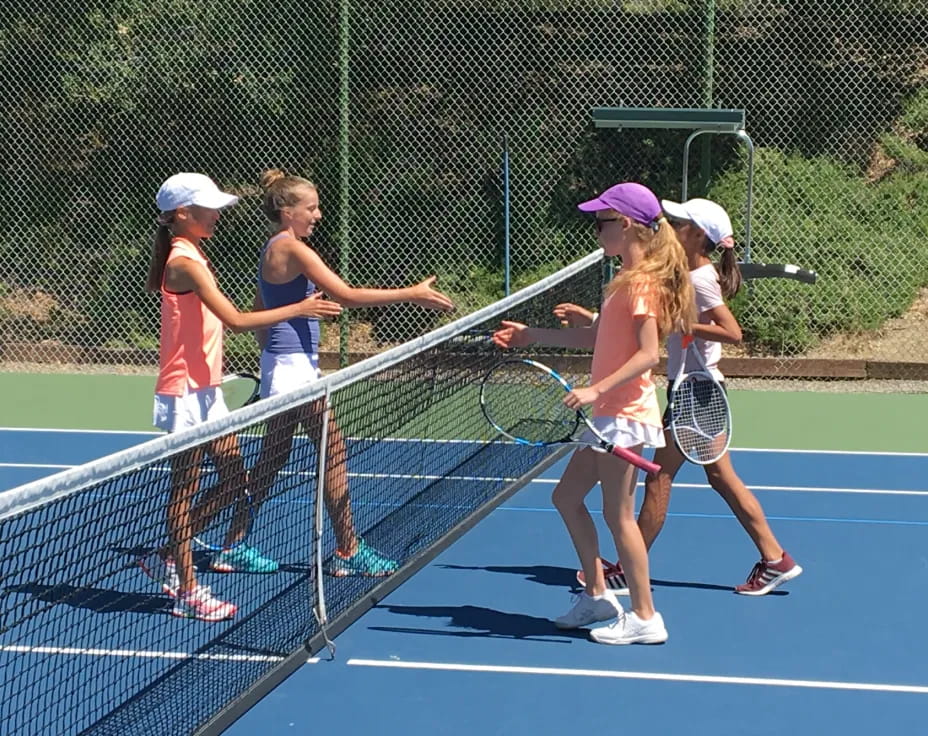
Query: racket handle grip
{"type": "Point", "coordinates": [636, 460]}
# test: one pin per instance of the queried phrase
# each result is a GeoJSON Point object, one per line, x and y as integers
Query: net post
{"type": "Point", "coordinates": [506, 224]}
{"type": "Point", "coordinates": [318, 503]}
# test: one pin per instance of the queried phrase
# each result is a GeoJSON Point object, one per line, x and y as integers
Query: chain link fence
{"type": "Point", "coordinates": [406, 115]}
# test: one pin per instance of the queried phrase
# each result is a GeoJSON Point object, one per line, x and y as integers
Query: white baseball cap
{"type": "Point", "coordinates": [185, 189]}
{"type": "Point", "coordinates": [708, 216]}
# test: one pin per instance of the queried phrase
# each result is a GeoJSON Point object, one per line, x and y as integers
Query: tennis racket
{"type": "Point", "coordinates": [523, 400]}
{"type": "Point", "coordinates": [777, 271]}
{"type": "Point", "coordinates": [700, 417]}
{"type": "Point", "coordinates": [240, 389]}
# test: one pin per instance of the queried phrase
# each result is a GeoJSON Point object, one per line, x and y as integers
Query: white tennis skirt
{"type": "Point", "coordinates": [173, 413]}
{"type": "Point", "coordinates": [623, 432]}
{"type": "Point", "coordinates": [287, 371]}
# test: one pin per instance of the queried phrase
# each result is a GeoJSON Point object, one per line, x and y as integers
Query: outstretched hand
{"type": "Point", "coordinates": [424, 295]}
{"type": "Point", "coordinates": [512, 335]}
{"type": "Point", "coordinates": [320, 307]}
{"type": "Point", "coordinates": [573, 315]}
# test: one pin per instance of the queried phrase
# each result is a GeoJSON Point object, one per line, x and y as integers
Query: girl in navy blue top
{"type": "Point", "coordinates": [289, 271]}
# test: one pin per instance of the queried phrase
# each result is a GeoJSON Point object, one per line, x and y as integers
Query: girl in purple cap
{"type": "Point", "coordinates": [188, 392]}
{"type": "Point", "coordinates": [703, 227]}
{"type": "Point", "coordinates": [651, 297]}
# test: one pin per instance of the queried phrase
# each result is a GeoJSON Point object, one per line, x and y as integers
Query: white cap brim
{"type": "Point", "coordinates": [214, 200]}
{"type": "Point", "coordinates": [675, 210]}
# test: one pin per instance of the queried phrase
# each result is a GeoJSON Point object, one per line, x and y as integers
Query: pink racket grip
{"type": "Point", "coordinates": [636, 460]}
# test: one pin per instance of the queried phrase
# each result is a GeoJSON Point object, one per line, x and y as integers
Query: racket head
{"type": "Point", "coordinates": [523, 400]}
{"type": "Point", "coordinates": [240, 389]}
{"type": "Point", "coordinates": [700, 418]}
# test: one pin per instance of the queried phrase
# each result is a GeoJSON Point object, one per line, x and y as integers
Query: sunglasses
{"type": "Point", "coordinates": [600, 222]}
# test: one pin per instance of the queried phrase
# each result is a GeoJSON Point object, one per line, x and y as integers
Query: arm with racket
{"type": "Point", "coordinates": [700, 417]}
{"type": "Point", "coordinates": [532, 404]}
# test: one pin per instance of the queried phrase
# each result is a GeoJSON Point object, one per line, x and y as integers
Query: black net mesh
{"type": "Point", "coordinates": [88, 641]}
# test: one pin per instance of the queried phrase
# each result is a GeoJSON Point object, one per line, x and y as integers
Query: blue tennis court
{"type": "Point", "coordinates": [467, 646]}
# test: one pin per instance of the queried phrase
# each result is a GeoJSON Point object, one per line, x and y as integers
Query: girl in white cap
{"type": "Point", "coordinates": [289, 270]}
{"type": "Point", "coordinates": [703, 227]}
{"type": "Point", "coordinates": [187, 392]}
{"type": "Point", "coordinates": [650, 297]}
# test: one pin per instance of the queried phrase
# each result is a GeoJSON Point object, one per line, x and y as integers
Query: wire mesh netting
{"type": "Point", "coordinates": [403, 113]}
{"type": "Point", "coordinates": [94, 559]}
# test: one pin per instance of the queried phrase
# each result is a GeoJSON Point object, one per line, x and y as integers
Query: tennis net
{"type": "Point", "coordinates": [88, 643]}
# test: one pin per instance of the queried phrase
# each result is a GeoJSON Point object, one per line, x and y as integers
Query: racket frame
{"type": "Point", "coordinates": [256, 389]}
{"type": "Point", "coordinates": [703, 374]}
{"type": "Point", "coordinates": [581, 418]}
{"type": "Point", "coordinates": [205, 544]}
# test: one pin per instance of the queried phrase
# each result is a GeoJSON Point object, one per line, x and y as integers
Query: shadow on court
{"type": "Point", "coordinates": [98, 600]}
{"type": "Point", "coordinates": [561, 577]}
{"type": "Point", "coordinates": [484, 622]}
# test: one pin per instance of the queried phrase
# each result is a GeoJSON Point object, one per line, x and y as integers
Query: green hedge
{"type": "Point", "coordinates": [867, 241]}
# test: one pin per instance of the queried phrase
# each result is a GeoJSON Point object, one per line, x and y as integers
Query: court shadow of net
{"type": "Point", "coordinates": [243, 653]}
{"type": "Point", "coordinates": [483, 623]}
{"type": "Point", "coordinates": [97, 600]}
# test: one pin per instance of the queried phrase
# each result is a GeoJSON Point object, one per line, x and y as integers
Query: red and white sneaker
{"type": "Point", "coordinates": [766, 576]}
{"type": "Point", "coordinates": [200, 604]}
{"type": "Point", "coordinates": [613, 575]}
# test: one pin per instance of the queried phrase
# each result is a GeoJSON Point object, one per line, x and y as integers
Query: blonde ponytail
{"type": "Point", "coordinates": [662, 272]}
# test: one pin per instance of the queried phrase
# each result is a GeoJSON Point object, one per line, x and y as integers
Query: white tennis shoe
{"type": "Point", "coordinates": [590, 609]}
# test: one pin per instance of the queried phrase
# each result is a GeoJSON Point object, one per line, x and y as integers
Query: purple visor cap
{"type": "Point", "coordinates": [631, 199]}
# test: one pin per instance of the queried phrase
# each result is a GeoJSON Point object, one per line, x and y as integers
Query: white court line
{"type": "Point", "coordinates": [144, 654]}
{"type": "Point", "coordinates": [312, 474]}
{"type": "Point", "coordinates": [35, 465]}
{"type": "Point", "coordinates": [797, 489]}
{"type": "Point", "coordinates": [548, 481]}
{"type": "Point", "coordinates": [81, 431]}
{"type": "Point", "coordinates": [663, 676]}
{"type": "Point", "coordinates": [412, 439]}
{"type": "Point", "coordinates": [830, 452]}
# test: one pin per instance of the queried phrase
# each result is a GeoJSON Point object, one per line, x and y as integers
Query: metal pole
{"type": "Point", "coordinates": [750, 199]}
{"type": "Point", "coordinates": [344, 161]}
{"type": "Point", "coordinates": [506, 241]}
{"type": "Point", "coordinates": [322, 450]}
{"type": "Point", "coordinates": [746, 139]}
{"type": "Point", "coordinates": [708, 94]}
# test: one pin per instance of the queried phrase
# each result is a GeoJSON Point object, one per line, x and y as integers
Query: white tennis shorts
{"type": "Point", "coordinates": [173, 413]}
{"type": "Point", "coordinates": [287, 371]}
{"type": "Point", "coordinates": [624, 432]}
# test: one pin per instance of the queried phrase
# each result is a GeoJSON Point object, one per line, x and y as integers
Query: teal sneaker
{"type": "Point", "coordinates": [243, 558]}
{"type": "Point", "coordinates": [366, 561]}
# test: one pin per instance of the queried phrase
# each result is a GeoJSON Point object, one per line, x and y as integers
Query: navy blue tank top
{"type": "Point", "coordinates": [300, 334]}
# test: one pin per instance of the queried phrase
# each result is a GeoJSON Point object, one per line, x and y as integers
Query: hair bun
{"type": "Point", "coordinates": [270, 177]}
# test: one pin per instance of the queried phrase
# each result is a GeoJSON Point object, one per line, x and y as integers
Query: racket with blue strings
{"type": "Point", "coordinates": [523, 400]}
